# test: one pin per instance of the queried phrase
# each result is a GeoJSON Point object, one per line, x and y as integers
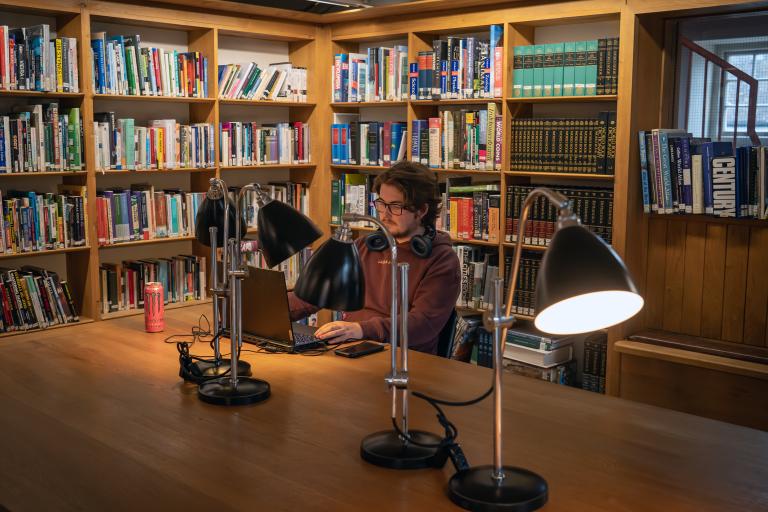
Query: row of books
{"type": "Point", "coordinates": [31, 61]}
{"type": "Point", "coordinates": [379, 74]}
{"type": "Point", "coordinates": [163, 144]}
{"type": "Point", "coordinates": [41, 138]}
{"type": "Point", "coordinates": [278, 82]}
{"type": "Point", "coordinates": [574, 68]}
{"type": "Point", "coordinates": [34, 221]}
{"type": "Point", "coordinates": [290, 193]}
{"type": "Point", "coordinates": [33, 297]}
{"type": "Point", "coordinates": [122, 284]}
{"type": "Point", "coordinates": [142, 213]}
{"type": "Point", "coordinates": [254, 144]}
{"type": "Point", "coordinates": [595, 358]}
{"type": "Point", "coordinates": [523, 302]}
{"type": "Point", "coordinates": [471, 212]}
{"type": "Point", "coordinates": [459, 68]}
{"type": "Point", "coordinates": [478, 270]}
{"type": "Point", "coordinates": [291, 267]}
{"type": "Point", "coordinates": [586, 145]}
{"type": "Point", "coordinates": [593, 205]}
{"type": "Point", "coordinates": [367, 143]}
{"type": "Point", "coordinates": [352, 193]}
{"type": "Point", "coordinates": [683, 174]}
{"type": "Point", "coordinates": [120, 65]}
{"type": "Point", "coordinates": [459, 139]}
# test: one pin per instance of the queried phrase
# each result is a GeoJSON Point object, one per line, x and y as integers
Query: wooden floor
{"type": "Point", "coordinates": [95, 418]}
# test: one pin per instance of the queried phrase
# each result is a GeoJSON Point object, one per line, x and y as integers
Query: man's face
{"type": "Point", "coordinates": [401, 226]}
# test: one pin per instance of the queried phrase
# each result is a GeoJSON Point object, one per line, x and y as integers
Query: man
{"type": "Point", "coordinates": [407, 205]}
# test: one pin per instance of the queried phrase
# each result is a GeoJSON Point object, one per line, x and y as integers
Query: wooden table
{"type": "Point", "coordinates": [94, 417]}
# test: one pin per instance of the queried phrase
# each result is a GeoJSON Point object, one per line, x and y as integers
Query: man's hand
{"type": "Point", "coordinates": [336, 332]}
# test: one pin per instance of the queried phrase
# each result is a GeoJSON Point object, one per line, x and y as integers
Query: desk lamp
{"type": "Point", "coordinates": [582, 286]}
{"type": "Point", "coordinates": [282, 232]}
{"type": "Point", "coordinates": [333, 279]}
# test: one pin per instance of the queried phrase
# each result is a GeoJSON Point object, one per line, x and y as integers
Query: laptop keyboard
{"type": "Point", "coordinates": [301, 339]}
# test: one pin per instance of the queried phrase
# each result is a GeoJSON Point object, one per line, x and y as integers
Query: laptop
{"type": "Point", "coordinates": [266, 316]}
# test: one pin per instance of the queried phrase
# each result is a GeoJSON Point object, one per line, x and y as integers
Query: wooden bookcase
{"type": "Point", "coordinates": [660, 252]}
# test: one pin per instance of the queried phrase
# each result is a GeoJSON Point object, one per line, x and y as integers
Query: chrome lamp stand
{"type": "Point", "coordinates": [389, 448]}
{"type": "Point", "coordinates": [500, 487]}
{"type": "Point", "coordinates": [232, 388]}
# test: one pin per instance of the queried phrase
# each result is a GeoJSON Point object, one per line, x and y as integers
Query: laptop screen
{"type": "Point", "coordinates": [265, 306]}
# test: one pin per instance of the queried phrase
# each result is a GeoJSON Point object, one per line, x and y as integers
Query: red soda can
{"type": "Point", "coordinates": [154, 311]}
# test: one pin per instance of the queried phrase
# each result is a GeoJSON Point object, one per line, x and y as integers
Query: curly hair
{"type": "Point", "coordinates": [418, 186]}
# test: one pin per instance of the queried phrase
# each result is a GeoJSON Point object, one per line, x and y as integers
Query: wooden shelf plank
{"type": "Point", "coordinates": [379, 168]}
{"type": "Point", "coordinates": [467, 101]}
{"type": "Point", "coordinates": [38, 94]}
{"type": "Point", "coordinates": [266, 167]}
{"type": "Point", "coordinates": [46, 173]}
{"type": "Point", "coordinates": [709, 219]}
{"type": "Point", "coordinates": [266, 103]}
{"type": "Point", "coordinates": [147, 242]}
{"type": "Point", "coordinates": [168, 99]}
{"type": "Point", "coordinates": [156, 171]}
{"type": "Point", "coordinates": [133, 312]}
{"type": "Point", "coordinates": [564, 99]}
{"type": "Point", "coordinates": [563, 175]}
{"type": "Point", "coordinates": [367, 104]}
{"type": "Point", "coordinates": [527, 247]}
{"type": "Point", "coordinates": [83, 320]}
{"type": "Point", "coordinates": [45, 253]}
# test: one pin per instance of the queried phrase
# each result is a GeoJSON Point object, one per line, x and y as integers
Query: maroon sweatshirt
{"type": "Point", "coordinates": [433, 287]}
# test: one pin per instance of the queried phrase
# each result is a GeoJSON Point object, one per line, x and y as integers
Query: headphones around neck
{"type": "Point", "coordinates": [421, 245]}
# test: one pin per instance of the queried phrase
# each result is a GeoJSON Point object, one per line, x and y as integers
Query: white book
{"type": "Point", "coordinates": [540, 358]}
{"type": "Point", "coordinates": [697, 185]}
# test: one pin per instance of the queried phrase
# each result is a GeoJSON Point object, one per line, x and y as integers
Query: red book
{"type": "Point", "coordinates": [156, 65]}
{"type": "Point", "coordinates": [387, 144]}
{"type": "Point", "coordinates": [299, 128]}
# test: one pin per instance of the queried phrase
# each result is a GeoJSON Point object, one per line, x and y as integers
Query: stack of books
{"type": "Point", "coordinates": [31, 61]}
{"type": "Point", "coordinates": [459, 68]}
{"type": "Point", "coordinates": [470, 211]}
{"type": "Point", "coordinates": [163, 144]}
{"type": "Point", "coordinates": [376, 143]}
{"type": "Point", "coordinates": [575, 68]}
{"type": "Point", "coordinates": [32, 298]}
{"type": "Point", "coordinates": [478, 270]}
{"type": "Point", "coordinates": [380, 74]}
{"type": "Point", "coordinates": [142, 213]}
{"type": "Point", "coordinates": [122, 284]}
{"type": "Point", "coordinates": [41, 138]}
{"type": "Point", "coordinates": [593, 205]}
{"type": "Point", "coordinates": [121, 66]}
{"type": "Point", "coordinates": [34, 221]}
{"type": "Point", "coordinates": [459, 139]}
{"type": "Point", "coordinates": [245, 144]}
{"type": "Point", "coordinates": [683, 174]}
{"type": "Point", "coordinates": [583, 145]}
{"type": "Point", "coordinates": [530, 352]}
{"type": "Point", "coordinates": [278, 82]}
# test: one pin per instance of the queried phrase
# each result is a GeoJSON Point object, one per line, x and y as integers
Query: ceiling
{"type": "Point", "coordinates": [318, 7]}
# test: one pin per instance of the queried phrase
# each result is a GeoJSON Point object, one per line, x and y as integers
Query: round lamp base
{"type": "Point", "coordinates": [221, 392]}
{"type": "Point", "coordinates": [520, 491]}
{"type": "Point", "coordinates": [388, 450]}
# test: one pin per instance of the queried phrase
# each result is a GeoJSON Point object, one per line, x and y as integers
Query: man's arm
{"type": "Point", "coordinates": [430, 309]}
{"type": "Point", "coordinates": [299, 308]}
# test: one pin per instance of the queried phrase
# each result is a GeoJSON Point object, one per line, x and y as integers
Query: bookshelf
{"type": "Point", "coordinates": [651, 246]}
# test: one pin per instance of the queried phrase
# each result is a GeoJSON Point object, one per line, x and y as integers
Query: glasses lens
{"type": "Point", "coordinates": [380, 205]}
{"type": "Point", "coordinates": [396, 209]}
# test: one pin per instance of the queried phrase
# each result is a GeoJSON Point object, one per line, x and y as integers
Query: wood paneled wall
{"type": "Point", "coordinates": [708, 277]}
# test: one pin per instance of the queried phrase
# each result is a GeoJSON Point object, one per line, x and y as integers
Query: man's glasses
{"type": "Point", "coordinates": [394, 208]}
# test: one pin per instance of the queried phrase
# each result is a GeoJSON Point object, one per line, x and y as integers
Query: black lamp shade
{"type": "Point", "coordinates": [583, 285]}
{"type": "Point", "coordinates": [283, 231]}
{"type": "Point", "coordinates": [333, 278]}
{"type": "Point", "coordinates": [211, 213]}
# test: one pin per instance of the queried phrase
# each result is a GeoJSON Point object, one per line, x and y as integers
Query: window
{"type": "Point", "coordinates": [755, 64]}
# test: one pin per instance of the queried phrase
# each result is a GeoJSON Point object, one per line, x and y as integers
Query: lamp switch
{"type": "Point", "coordinates": [458, 458]}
